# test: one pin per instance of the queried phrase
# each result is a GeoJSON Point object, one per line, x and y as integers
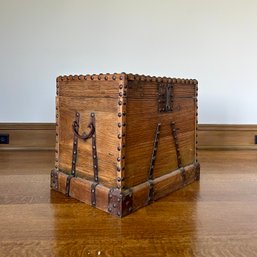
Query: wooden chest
{"type": "Point", "coordinates": [124, 140]}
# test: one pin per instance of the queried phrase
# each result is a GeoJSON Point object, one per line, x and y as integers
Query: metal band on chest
{"type": "Point", "coordinates": [152, 163]}
{"type": "Point", "coordinates": [84, 136]}
{"type": "Point", "coordinates": [178, 155]}
{"type": "Point", "coordinates": [154, 151]}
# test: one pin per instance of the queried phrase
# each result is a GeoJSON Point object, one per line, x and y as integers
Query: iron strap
{"type": "Point", "coordinates": [183, 174]}
{"type": "Point", "coordinates": [152, 163]}
{"type": "Point", "coordinates": [84, 136]}
{"type": "Point", "coordinates": [93, 194]}
{"type": "Point", "coordinates": [175, 137]}
{"type": "Point", "coordinates": [75, 145]}
{"type": "Point", "coordinates": [154, 151]}
{"type": "Point", "coordinates": [94, 151]}
{"type": "Point", "coordinates": [67, 188]}
{"type": "Point", "coordinates": [151, 191]}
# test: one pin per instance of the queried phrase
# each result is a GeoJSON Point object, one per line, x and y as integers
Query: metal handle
{"type": "Point", "coordinates": [84, 136]}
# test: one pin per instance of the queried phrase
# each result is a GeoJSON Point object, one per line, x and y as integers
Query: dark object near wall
{"type": "Point", "coordinates": [4, 139]}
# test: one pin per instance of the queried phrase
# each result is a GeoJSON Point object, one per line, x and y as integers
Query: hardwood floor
{"type": "Point", "coordinates": [214, 217]}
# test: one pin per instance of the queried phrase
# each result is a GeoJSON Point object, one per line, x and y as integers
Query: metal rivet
{"type": "Point", "coordinates": [120, 86]}
{"type": "Point", "coordinates": [120, 102]}
{"type": "Point", "coordinates": [118, 148]}
{"type": "Point", "coordinates": [118, 159]}
{"type": "Point", "coordinates": [92, 190]}
{"type": "Point", "coordinates": [119, 114]}
{"type": "Point", "coordinates": [94, 156]}
{"type": "Point", "coordinates": [92, 77]}
{"type": "Point", "coordinates": [119, 125]}
{"type": "Point", "coordinates": [99, 77]}
{"type": "Point", "coordinates": [124, 114]}
{"type": "Point", "coordinates": [113, 77]}
{"type": "Point", "coordinates": [120, 94]}
{"type": "Point", "coordinates": [110, 209]}
{"type": "Point", "coordinates": [118, 169]}
{"type": "Point", "coordinates": [119, 136]}
{"type": "Point", "coordinates": [92, 114]}
{"type": "Point", "coordinates": [118, 213]}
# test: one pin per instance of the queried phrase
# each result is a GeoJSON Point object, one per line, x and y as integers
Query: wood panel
{"type": "Point", "coordinates": [106, 119]}
{"type": "Point", "coordinates": [142, 119]}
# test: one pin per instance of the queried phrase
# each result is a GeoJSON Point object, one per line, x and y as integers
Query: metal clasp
{"type": "Point", "coordinates": [165, 97]}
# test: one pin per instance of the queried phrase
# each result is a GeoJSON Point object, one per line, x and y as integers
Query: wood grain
{"type": "Point", "coordinates": [142, 118]}
{"type": "Point", "coordinates": [215, 217]}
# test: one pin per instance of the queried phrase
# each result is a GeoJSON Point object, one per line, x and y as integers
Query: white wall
{"type": "Point", "coordinates": [212, 41]}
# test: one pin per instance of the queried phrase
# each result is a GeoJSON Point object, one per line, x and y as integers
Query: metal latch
{"type": "Point", "coordinates": [165, 97]}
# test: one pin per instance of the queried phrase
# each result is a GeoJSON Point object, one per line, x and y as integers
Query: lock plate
{"type": "Point", "coordinates": [165, 97]}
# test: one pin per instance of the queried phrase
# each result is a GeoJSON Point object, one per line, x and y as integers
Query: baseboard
{"type": "Point", "coordinates": [28, 136]}
{"type": "Point", "coordinates": [227, 137]}
{"type": "Point", "coordinates": [41, 136]}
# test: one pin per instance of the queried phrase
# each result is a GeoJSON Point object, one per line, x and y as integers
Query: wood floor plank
{"type": "Point", "coordinates": [216, 216]}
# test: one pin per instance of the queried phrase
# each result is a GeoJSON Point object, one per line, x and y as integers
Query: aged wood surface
{"type": "Point", "coordinates": [126, 112]}
{"type": "Point", "coordinates": [216, 216]}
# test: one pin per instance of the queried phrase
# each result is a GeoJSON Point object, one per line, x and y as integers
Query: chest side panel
{"type": "Point", "coordinates": [85, 98]}
{"type": "Point", "coordinates": [143, 117]}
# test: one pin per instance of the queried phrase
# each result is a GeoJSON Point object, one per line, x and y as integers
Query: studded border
{"type": "Point", "coordinates": [121, 129]}
{"type": "Point", "coordinates": [128, 76]}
